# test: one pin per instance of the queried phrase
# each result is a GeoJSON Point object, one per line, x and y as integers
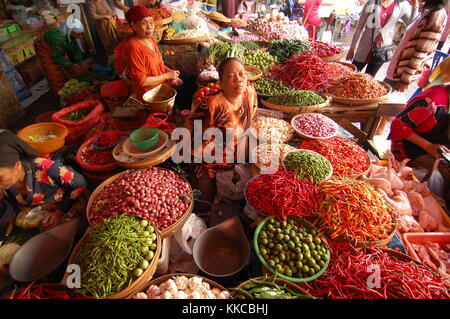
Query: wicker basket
{"type": "Point", "coordinates": [278, 281]}
{"type": "Point", "coordinates": [160, 280]}
{"type": "Point", "coordinates": [164, 233]}
{"type": "Point", "coordinates": [350, 102]}
{"type": "Point", "coordinates": [202, 38]}
{"type": "Point", "coordinates": [334, 58]}
{"type": "Point", "coordinates": [295, 109]}
{"type": "Point", "coordinates": [164, 21]}
{"type": "Point", "coordinates": [212, 16]}
{"type": "Point", "coordinates": [141, 281]}
{"type": "Point", "coordinates": [374, 243]}
{"type": "Point", "coordinates": [258, 73]}
{"type": "Point", "coordinates": [309, 137]}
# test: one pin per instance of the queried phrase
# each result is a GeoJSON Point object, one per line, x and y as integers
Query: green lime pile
{"type": "Point", "coordinates": [269, 86]}
{"type": "Point", "coordinates": [291, 248]}
{"type": "Point", "coordinates": [73, 86]}
{"type": "Point", "coordinates": [258, 59]}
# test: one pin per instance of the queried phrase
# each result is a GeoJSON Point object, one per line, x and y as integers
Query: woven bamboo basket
{"type": "Point", "coordinates": [334, 58]}
{"type": "Point", "coordinates": [202, 38]}
{"type": "Point", "coordinates": [165, 232]}
{"type": "Point", "coordinates": [164, 21]}
{"type": "Point", "coordinates": [279, 281]}
{"type": "Point", "coordinates": [350, 102]}
{"type": "Point", "coordinates": [160, 280]}
{"type": "Point", "coordinates": [258, 73]}
{"type": "Point", "coordinates": [309, 137]}
{"type": "Point", "coordinates": [296, 109]}
{"type": "Point", "coordinates": [215, 17]}
{"type": "Point", "coordinates": [159, 158]}
{"type": "Point", "coordinates": [375, 243]}
{"type": "Point", "coordinates": [141, 281]}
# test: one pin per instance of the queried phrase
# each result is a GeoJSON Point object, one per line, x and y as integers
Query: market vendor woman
{"type": "Point", "coordinates": [66, 46]}
{"type": "Point", "coordinates": [233, 107]}
{"type": "Point", "coordinates": [28, 181]}
{"type": "Point", "coordinates": [138, 59]}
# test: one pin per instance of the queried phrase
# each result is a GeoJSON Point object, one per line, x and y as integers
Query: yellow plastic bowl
{"type": "Point", "coordinates": [43, 129]}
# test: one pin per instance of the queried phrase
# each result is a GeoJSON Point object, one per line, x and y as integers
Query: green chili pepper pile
{"type": "Point", "coordinates": [77, 115]}
{"type": "Point", "coordinates": [284, 49]}
{"type": "Point", "coordinates": [268, 289]}
{"type": "Point", "coordinates": [269, 86]}
{"type": "Point", "coordinates": [114, 254]}
{"type": "Point", "coordinates": [297, 98]}
{"type": "Point", "coordinates": [307, 164]}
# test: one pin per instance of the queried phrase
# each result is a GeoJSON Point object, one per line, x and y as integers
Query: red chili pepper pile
{"type": "Point", "coordinates": [108, 139]}
{"type": "Point", "coordinates": [358, 86]}
{"type": "Point", "coordinates": [337, 70]}
{"type": "Point", "coordinates": [93, 156]}
{"type": "Point", "coordinates": [303, 71]}
{"type": "Point", "coordinates": [352, 210]}
{"type": "Point", "coordinates": [325, 49]}
{"type": "Point", "coordinates": [46, 292]}
{"type": "Point", "coordinates": [347, 157]}
{"type": "Point", "coordinates": [350, 271]}
{"type": "Point", "coordinates": [282, 194]}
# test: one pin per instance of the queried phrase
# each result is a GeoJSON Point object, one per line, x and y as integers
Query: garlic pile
{"type": "Point", "coordinates": [182, 287]}
{"type": "Point", "coordinates": [188, 34]}
{"type": "Point", "coordinates": [272, 130]}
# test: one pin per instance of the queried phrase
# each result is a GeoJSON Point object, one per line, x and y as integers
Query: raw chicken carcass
{"type": "Point", "coordinates": [433, 208]}
{"type": "Point", "coordinates": [427, 222]}
{"type": "Point", "coordinates": [381, 184]}
{"type": "Point", "coordinates": [395, 181]}
{"type": "Point", "coordinates": [404, 171]}
{"type": "Point", "coordinates": [416, 201]}
{"type": "Point", "coordinates": [399, 202]}
{"type": "Point", "coordinates": [424, 256]}
{"type": "Point", "coordinates": [407, 224]}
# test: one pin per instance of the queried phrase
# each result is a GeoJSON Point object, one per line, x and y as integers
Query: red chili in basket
{"type": "Point", "coordinates": [303, 71]}
{"type": "Point", "coordinates": [358, 86]}
{"type": "Point", "coordinates": [325, 49]}
{"type": "Point", "coordinates": [282, 194]}
{"type": "Point", "coordinates": [337, 70]}
{"type": "Point", "coordinates": [346, 157]}
{"type": "Point", "coordinates": [350, 271]}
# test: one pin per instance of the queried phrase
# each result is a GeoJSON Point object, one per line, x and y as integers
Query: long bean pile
{"type": "Point", "coordinates": [282, 194]}
{"type": "Point", "coordinates": [347, 277]}
{"type": "Point", "coordinates": [307, 164]}
{"type": "Point", "coordinates": [347, 157]}
{"type": "Point", "coordinates": [284, 49]}
{"type": "Point", "coordinates": [352, 210]}
{"type": "Point", "coordinates": [114, 254]}
{"type": "Point", "coordinates": [297, 98]}
{"type": "Point", "coordinates": [303, 71]}
{"type": "Point", "coordinates": [358, 86]}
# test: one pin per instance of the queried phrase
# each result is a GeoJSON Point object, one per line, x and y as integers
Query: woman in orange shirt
{"type": "Point", "coordinates": [139, 59]}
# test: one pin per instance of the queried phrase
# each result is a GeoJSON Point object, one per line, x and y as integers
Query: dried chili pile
{"type": "Point", "coordinates": [358, 86]}
{"type": "Point", "coordinates": [303, 71]}
{"type": "Point", "coordinates": [346, 157]}
{"type": "Point", "coordinates": [282, 194]}
{"type": "Point", "coordinates": [352, 210]}
{"type": "Point", "coordinates": [337, 70]}
{"type": "Point", "coordinates": [351, 274]}
{"type": "Point", "coordinates": [46, 291]}
{"type": "Point", "coordinates": [325, 49]}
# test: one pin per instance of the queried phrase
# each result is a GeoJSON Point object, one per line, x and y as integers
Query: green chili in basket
{"type": "Point", "coordinates": [307, 164]}
{"type": "Point", "coordinates": [297, 98]}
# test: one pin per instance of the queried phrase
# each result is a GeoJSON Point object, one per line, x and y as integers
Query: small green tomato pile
{"type": "Point", "coordinates": [291, 248]}
{"type": "Point", "coordinates": [114, 254]}
{"type": "Point", "coordinates": [270, 86]}
{"type": "Point", "coordinates": [297, 98]}
{"type": "Point", "coordinates": [258, 59]}
{"type": "Point", "coordinates": [73, 86]}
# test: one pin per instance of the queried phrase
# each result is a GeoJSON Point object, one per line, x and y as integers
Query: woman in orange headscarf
{"type": "Point", "coordinates": [139, 59]}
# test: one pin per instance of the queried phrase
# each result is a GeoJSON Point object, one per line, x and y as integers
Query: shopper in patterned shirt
{"type": "Point", "coordinates": [27, 180]}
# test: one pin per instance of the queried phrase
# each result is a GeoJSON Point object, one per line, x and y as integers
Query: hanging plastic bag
{"type": "Point", "coordinates": [326, 37]}
{"type": "Point", "coordinates": [231, 183]}
{"type": "Point", "coordinates": [436, 181]}
{"type": "Point", "coordinates": [193, 227]}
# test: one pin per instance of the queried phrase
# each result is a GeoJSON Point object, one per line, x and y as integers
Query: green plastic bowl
{"type": "Point", "coordinates": [145, 138]}
{"type": "Point", "coordinates": [263, 261]}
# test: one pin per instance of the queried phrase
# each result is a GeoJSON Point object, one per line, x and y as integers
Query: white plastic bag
{"type": "Point", "coordinates": [225, 185]}
{"type": "Point", "coordinates": [193, 227]}
{"type": "Point", "coordinates": [436, 181]}
{"type": "Point", "coordinates": [326, 37]}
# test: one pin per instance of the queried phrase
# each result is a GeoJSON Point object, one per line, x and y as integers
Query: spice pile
{"type": "Point", "coordinates": [246, 36]}
{"type": "Point", "coordinates": [348, 272]}
{"type": "Point", "coordinates": [358, 86]}
{"type": "Point", "coordinates": [352, 210]}
{"type": "Point", "coordinates": [325, 49]}
{"type": "Point", "coordinates": [308, 165]}
{"type": "Point", "coordinates": [303, 71]}
{"type": "Point", "coordinates": [272, 130]}
{"type": "Point", "coordinates": [156, 194]}
{"type": "Point", "coordinates": [277, 30]}
{"type": "Point", "coordinates": [297, 98]}
{"type": "Point", "coordinates": [187, 34]}
{"type": "Point", "coordinates": [337, 70]}
{"type": "Point", "coordinates": [282, 194]}
{"type": "Point", "coordinates": [269, 156]}
{"type": "Point", "coordinates": [347, 157]}
{"type": "Point", "coordinates": [114, 254]}
{"type": "Point", "coordinates": [314, 125]}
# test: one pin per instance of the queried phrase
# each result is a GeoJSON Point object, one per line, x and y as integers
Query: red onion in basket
{"type": "Point", "coordinates": [155, 194]}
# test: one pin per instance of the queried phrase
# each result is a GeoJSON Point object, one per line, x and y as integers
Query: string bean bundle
{"type": "Point", "coordinates": [114, 254]}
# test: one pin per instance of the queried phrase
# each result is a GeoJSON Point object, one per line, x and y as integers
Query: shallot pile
{"type": "Point", "coordinates": [155, 194]}
{"type": "Point", "coordinates": [315, 125]}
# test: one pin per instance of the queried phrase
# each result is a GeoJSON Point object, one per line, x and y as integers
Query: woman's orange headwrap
{"type": "Point", "coordinates": [136, 13]}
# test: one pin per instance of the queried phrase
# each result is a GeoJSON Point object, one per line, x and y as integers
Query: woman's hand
{"type": "Point", "coordinates": [176, 82]}
{"type": "Point", "coordinates": [172, 75]}
{"type": "Point", "coordinates": [433, 149]}
{"type": "Point", "coordinates": [350, 54]}
{"type": "Point", "coordinates": [52, 219]}
{"type": "Point", "coordinates": [402, 87]}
